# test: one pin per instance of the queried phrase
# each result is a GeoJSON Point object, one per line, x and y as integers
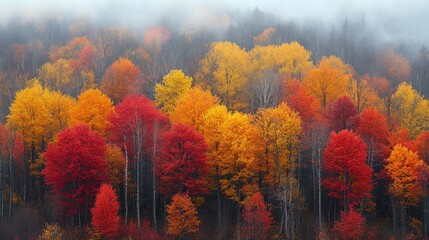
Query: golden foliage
{"type": "Point", "coordinates": [175, 85]}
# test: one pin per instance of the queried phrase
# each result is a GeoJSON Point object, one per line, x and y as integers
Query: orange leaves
{"type": "Point", "coordinates": [93, 108]}
{"type": "Point", "coordinates": [105, 217]}
{"type": "Point", "coordinates": [182, 216]}
{"type": "Point", "coordinates": [405, 169]}
{"type": "Point", "coordinates": [190, 109]}
{"type": "Point", "coordinates": [122, 78]}
{"type": "Point", "coordinates": [330, 80]}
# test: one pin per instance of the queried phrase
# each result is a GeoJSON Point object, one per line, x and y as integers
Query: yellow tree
{"type": "Point", "coordinates": [212, 131]}
{"type": "Point", "coordinates": [329, 80]}
{"type": "Point", "coordinates": [175, 85]}
{"type": "Point", "coordinates": [190, 109]}
{"type": "Point", "coordinates": [237, 157]}
{"type": "Point", "coordinates": [93, 108]}
{"type": "Point", "coordinates": [224, 71]}
{"type": "Point", "coordinates": [405, 169]}
{"type": "Point", "coordinates": [279, 130]}
{"type": "Point", "coordinates": [410, 109]}
{"type": "Point", "coordinates": [29, 115]}
{"type": "Point", "coordinates": [182, 216]}
{"type": "Point", "coordinates": [122, 78]}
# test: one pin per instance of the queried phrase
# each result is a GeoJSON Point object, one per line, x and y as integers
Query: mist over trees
{"type": "Point", "coordinates": [244, 126]}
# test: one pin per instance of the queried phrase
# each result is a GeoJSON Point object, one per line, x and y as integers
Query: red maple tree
{"type": "Point", "coordinates": [105, 217]}
{"type": "Point", "coordinates": [75, 167]}
{"type": "Point", "coordinates": [348, 176]}
{"type": "Point", "coordinates": [182, 165]}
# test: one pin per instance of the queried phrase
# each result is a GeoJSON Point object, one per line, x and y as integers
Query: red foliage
{"type": "Point", "coordinates": [421, 145]}
{"type": "Point", "coordinates": [182, 165]}
{"type": "Point", "coordinates": [136, 116]}
{"type": "Point", "coordinates": [345, 168]}
{"type": "Point", "coordinates": [105, 217]}
{"type": "Point", "coordinates": [257, 218]}
{"type": "Point", "coordinates": [297, 97]}
{"type": "Point", "coordinates": [372, 127]}
{"type": "Point", "coordinates": [351, 226]}
{"type": "Point", "coordinates": [340, 113]}
{"type": "Point", "coordinates": [75, 167]}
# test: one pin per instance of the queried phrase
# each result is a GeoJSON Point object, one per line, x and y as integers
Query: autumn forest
{"type": "Point", "coordinates": [267, 129]}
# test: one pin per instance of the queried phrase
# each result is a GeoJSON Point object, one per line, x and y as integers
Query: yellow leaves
{"type": "Point", "coordinates": [410, 109]}
{"type": "Point", "coordinates": [191, 108]}
{"type": "Point", "coordinates": [224, 70]}
{"type": "Point", "coordinates": [39, 114]}
{"type": "Point", "coordinates": [93, 108]}
{"type": "Point", "coordinates": [175, 85]}
{"type": "Point", "coordinates": [405, 169]}
{"type": "Point", "coordinates": [279, 130]}
{"type": "Point", "coordinates": [330, 80]}
{"type": "Point", "coordinates": [29, 115]}
{"type": "Point", "coordinates": [289, 59]}
{"type": "Point", "coordinates": [236, 156]}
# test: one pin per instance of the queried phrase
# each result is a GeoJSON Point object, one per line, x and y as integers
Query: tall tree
{"type": "Point", "coordinates": [348, 178]}
{"type": "Point", "coordinates": [105, 217]}
{"type": "Point", "coordinates": [182, 164]}
{"type": "Point", "coordinates": [75, 168]}
{"type": "Point", "coordinates": [405, 170]}
{"type": "Point", "coordinates": [237, 151]}
{"type": "Point", "coordinates": [136, 125]}
{"type": "Point", "coordinates": [278, 130]}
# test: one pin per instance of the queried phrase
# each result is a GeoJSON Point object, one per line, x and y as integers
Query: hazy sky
{"type": "Point", "coordinates": [394, 18]}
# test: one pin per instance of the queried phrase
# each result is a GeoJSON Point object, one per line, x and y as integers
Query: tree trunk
{"type": "Point", "coordinates": [126, 181]}
{"type": "Point", "coordinates": [11, 185]}
{"type": "Point", "coordinates": [154, 177]}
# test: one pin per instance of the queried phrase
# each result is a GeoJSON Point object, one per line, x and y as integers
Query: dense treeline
{"type": "Point", "coordinates": [269, 129]}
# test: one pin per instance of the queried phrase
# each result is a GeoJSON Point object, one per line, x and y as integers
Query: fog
{"type": "Point", "coordinates": [391, 19]}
